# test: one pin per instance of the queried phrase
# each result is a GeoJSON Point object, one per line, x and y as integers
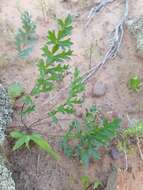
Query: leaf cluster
{"type": "Point", "coordinates": [84, 140]}
{"type": "Point", "coordinates": [25, 36]}
{"type": "Point", "coordinates": [56, 50]}
{"type": "Point", "coordinates": [74, 98]}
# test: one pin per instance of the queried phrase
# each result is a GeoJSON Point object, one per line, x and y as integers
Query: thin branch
{"type": "Point", "coordinates": [21, 116]}
{"type": "Point", "coordinates": [140, 151]}
{"type": "Point", "coordinates": [90, 56]}
{"type": "Point", "coordinates": [126, 160]}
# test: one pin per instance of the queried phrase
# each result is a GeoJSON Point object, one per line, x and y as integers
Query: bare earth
{"type": "Point", "coordinates": [35, 170]}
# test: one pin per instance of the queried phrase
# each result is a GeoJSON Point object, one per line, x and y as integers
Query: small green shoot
{"type": "Point", "coordinates": [24, 139]}
{"type": "Point", "coordinates": [135, 130]}
{"type": "Point", "coordinates": [134, 83]}
{"type": "Point", "coordinates": [85, 180]}
{"type": "Point", "coordinates": [86, 183]}
{"type": "Point", "coordinates": [25, 36]}
{"type": "Point", "coordinates": [15, 90]}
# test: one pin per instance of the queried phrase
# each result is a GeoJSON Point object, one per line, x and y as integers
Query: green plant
{"type": "Point", "coordinates": [87, 184]}
{"type": "Point", "coordinates": [55, 52]}
{"type": "Point", "coordinates": [97, 183]}
{"type": "Point", "coordinates": [23, 138]}
{"type": "Point", "coordinates": [51, 67]}
{"type": "Point", "coordinates": [84, 140]}
{"type": "Point", "coordinates": [15, 90]}
{"type": "Point", "coordinates": [76, 88]}
{"type": "Point", "coordinates": [85, 180]}
{"type": "Point", "coordinates": [25, 36]}
{"type": "Point", "coordinates": [87, 136]}
{"type": "Point", "coordinates": [135, 130]}
{"type": "Point", "coordinates": [51, 70]}
{"type": "Point", "coordinates": [134, 83]}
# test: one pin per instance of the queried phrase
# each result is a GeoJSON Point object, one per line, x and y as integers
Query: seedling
{"type": "Point", "coordinates": [97, 184]}
{"type": "Point", "coordinates": [51, 70]}
{"type": "Point", "coordinates": [85, 180]}
{"type": "Point", "coordinates": [134, 83]}
{"type": "Point", "coordinates": [87, 184]}
{"type": "Point", "coordinates": [84, 140]}
{"type": "Point", "coordinates": [25, 36]}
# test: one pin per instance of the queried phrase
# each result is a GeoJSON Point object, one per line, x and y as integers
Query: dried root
{"type": "Point", "coordinates": [98, 8]}
{"type": "Point", "coordinates": [112, 52]}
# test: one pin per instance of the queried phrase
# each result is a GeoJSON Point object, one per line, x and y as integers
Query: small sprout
{"type": "Point", "coordinates": [15, 90]}
{"type": "Point", "coordinates": [85, 181]}
{"type": "Point", "coordinates": [97, 183]}
{"type": "Point", "coordinates": [134, 83]}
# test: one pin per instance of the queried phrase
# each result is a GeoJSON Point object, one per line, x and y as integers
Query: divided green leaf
{"type": "Point", "coordinates": [74, 98]}
{"type": "Point", "coordinates": [55, 52]}
{"type": "Point", "coordinates": [24, 139]}
{"type": "Point", "coordinates": [26, 37]}
{"type": "Point", "coordinates": [84, 140]}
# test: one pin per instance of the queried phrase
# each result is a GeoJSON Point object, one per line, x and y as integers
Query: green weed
{"type": "Point", "coordinates": [25, 36]}
{"type": "Point", "coordinates": [134, 83]}
{"type": "Point", "coordinates": [84, 140]}
{"type": "Point", "coordinates": [15, 90]}
{"type": "Point", "coordinates": [135, 130]}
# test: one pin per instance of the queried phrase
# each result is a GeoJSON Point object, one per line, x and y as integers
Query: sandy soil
{"type": "Point", "coordinates": [35, 170]}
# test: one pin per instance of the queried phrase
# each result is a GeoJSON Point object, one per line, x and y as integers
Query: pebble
{"type": "Point", "coordinates": [115, 154]}
{"type": "Point", "coordinates": [99, 89]}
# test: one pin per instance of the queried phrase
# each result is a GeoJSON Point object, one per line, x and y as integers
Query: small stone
{"type": "Point", "coordinates": [115, 154]}
{"type": "Point", "coordinates": [99, 89]}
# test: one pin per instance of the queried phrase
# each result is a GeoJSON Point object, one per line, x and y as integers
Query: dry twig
{"type": "Point", "coordinates": [140, 151]}
{"type": "Point", "coordinates": [98, 8]}
{"type": "Point", "coordinates": [115, 46]}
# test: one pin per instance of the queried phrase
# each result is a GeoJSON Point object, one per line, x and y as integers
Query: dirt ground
{"type": "Point", "coordinates": [35, 170]}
